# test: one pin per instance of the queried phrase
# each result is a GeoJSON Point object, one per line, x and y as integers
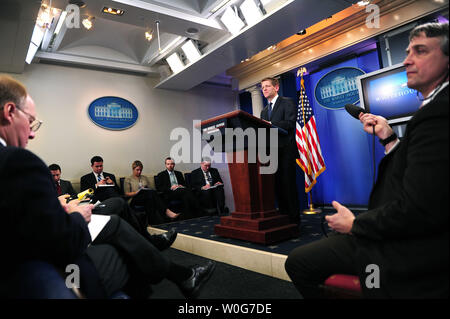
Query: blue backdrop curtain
{"type": "Point", "coordinates": [346, 148]}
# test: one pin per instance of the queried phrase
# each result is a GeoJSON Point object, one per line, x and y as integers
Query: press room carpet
{"type": "Point", "coordinates": [231, 282]}
{"type": "Point", "coordinates": [227, 282]}
{"type": "Point", "coordinates": [312, 228]}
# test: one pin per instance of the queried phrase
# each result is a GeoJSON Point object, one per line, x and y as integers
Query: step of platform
{"type": "Point", "coordinates": [263, 262]}
{"type": "Point", "coordinates": [255, 224]}
{"type": "Point", "coordinates": [255, 215]}
{"type": "Point", "coordinates": [264, 237]}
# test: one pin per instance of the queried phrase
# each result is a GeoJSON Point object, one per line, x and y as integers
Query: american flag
{"type": "Point", "coordinates": [311, 160]}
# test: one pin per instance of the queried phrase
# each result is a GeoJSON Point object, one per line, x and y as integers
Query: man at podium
{"type": "Point", "coordinates": [282, 112]}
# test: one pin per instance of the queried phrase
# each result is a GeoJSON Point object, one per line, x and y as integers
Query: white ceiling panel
{"type": "Point", "coordinates": [116, 42]}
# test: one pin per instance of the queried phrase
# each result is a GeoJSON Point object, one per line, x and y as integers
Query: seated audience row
{"type": "Point", "coordinates": [204, 196]}
{"type": "Point", "coordinates": [51, 234]}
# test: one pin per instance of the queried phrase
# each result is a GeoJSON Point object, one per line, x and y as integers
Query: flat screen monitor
{"type": "Point", "coordinates": [384, 92]}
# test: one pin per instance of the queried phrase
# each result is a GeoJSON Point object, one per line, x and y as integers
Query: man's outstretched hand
{"type": "Point", "coordinates": [342, 221]}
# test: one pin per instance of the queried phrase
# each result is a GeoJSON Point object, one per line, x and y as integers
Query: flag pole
{"type": "Point", "coordinates": [311, 210]}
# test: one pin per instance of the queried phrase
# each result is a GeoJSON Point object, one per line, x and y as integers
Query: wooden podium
{"type": "Point", "coordinates": [255, 218]}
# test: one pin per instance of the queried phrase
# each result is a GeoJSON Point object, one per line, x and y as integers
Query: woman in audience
{"type": "Point", "coordinates": [137, 187]}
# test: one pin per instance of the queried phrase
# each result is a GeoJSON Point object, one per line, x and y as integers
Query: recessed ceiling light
{"type": "Point", "coordinates": [192, 31]}
{"type": "Point", "coordinates": [79, 3]}
{"type": "Point", "coordinates": [113, 11]}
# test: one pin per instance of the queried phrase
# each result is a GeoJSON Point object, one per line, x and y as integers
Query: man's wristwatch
{"type": "Point", "coordinates": [388, 139]}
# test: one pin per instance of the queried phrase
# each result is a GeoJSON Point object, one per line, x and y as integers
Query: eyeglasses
{"type": "Point", "coordinates": [35, 124]}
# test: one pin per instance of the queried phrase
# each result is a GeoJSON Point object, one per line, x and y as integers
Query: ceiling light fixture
{"type": "Point", "coordinates": [191, 51]}
{"type": "Point", "coordinates": [87, 23]}
{"type": "Point", "coordinates": [252, 13]}
{"type": "Point", "coordinates": [175, 62]}
{"type": "Point", "coordinates": [78, 3]}
{"type": "Point", "coordinates": [192, 31]}
{"type": "Point", "coordinates": [149, 35]}
{"type": "Point", "coordinates": [62, 17]}
{"type": "Point", "coordinates": [219, 6]}
{"type": "Point", "coordinates": [232, 21]}
{"type": "Point", "coordinates": [113, 11]}
{"type": "Point", "coordinates": [157, 33]}
{"type": "Point", "coordinates": [363, 3]}
{"type": "Point", "coordinates": [45, 15]}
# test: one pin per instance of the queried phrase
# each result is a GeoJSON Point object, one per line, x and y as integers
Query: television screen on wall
{"type": "Point", "coordinates": [384, 92]}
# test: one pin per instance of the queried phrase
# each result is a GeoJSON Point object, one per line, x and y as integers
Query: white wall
{"type": "Point", "coordinates": [68, 136]}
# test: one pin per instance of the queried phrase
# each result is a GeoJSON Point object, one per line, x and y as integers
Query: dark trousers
{"type": "Point", "coordinates": [311, 264]}
{"type": "Point", "coordinates": [286, 186]}
{"type": "Point", "coordinates": [190, 206]}
{"type": "Point", "coordinates": [144, 261]}
{"type": "Point", "coordinates": [212, 198]}
{"type": "Point", "coordinates": [154, 206]}
{"type": "Point", "coordinates": [118, 206]}
{"type": "Point", "coordinates": [111, 268]}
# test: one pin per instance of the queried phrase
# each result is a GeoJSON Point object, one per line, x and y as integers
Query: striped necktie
{"type": "Point", "coordinates": [209, 178]}
{"type": "Point", "coordinates": [173, 180]}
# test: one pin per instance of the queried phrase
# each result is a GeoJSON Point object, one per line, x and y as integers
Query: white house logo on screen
{"type": "Point", "coordinates": [113, 113]}
{"type": "Point", "coordinates": [338, 87]}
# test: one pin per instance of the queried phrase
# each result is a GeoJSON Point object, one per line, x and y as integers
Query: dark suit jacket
{"type": "Point", "coordinates": [89, 181]}
{"type": "Point", "coordinates": [100, 193]}
{"type": "Point", "coordinates": [405, 232]}
{"type": "Point", "coordinates": [163, 181]}
{"type": "Point", "coordinates": [284, 115]}
{"type": "Point", "coordinates": [198, 179]}
{"type": "Point", "coordinates": [34, 225]}
{"type": "Point", "coordinates": [66, 187]}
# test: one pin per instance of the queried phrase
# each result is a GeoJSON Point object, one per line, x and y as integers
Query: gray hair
{"type": "Point", "coordinates": [433, 30]}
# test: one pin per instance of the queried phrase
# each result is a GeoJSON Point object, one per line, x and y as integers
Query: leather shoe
{"type": "Point", "coordinates": [191, 286]}
{"type": "Point", "coordinates": [165, 240]}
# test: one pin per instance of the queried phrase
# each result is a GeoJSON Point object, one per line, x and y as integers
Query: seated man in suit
{"type": "Point", "coordinates": [55, 234]}
{"type": "Point", "coordinates": [208, 186]}
{"type": "Point", "coordinates": [104, 184]}
{"type": "Point", "coordinates": [173, 186]}
{"type": "Point", "coordinates": [115, 206]}
{"type": "Point", "coordinates": [62, 187]}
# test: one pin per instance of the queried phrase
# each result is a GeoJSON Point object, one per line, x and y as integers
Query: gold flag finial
{"type": "Point", "coordinates": [301, 71]}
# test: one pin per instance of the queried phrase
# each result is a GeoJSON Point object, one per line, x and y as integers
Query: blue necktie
{"type": "Point", "coordinates": [99, 177]}
{"type": "Point", "coordinates": [269, 110]}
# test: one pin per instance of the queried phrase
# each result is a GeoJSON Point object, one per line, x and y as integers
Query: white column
{"type": "Point", "coordinates": [257, 100]}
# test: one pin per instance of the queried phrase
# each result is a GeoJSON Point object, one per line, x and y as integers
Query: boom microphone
{"type": "Point", "coordinates": [354, 110]}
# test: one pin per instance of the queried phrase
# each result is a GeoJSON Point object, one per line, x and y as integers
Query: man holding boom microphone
{"type": "Point", "coordinates": [404, 234]}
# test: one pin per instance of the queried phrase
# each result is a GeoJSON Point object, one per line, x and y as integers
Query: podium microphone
{"type": "Point", "coordinates": [354, 110]}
